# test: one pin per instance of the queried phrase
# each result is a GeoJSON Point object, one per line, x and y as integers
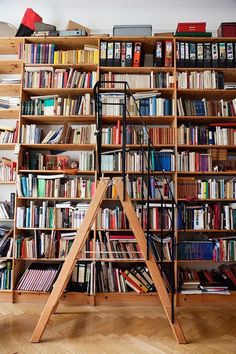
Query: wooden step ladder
{"type": "Point", "coordinates": [78, 244]}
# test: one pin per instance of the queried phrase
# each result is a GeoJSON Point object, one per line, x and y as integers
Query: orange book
{"type": "Point", "coordinates": [137, 54]}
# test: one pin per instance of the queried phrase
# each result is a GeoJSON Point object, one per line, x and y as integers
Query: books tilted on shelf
{"type": "Point", "coordinates": [6, 242]}
{"type": "Point", "coordinates": [6, 275]}
{"type": "Point", "coordinates": [228, 272]}
{"type": "Point", "coordinates": [9, 135]}
{"type": "Point", "coordinates": [113, 279]}
{"type": "Point", "coordinates": [7, 208]}
{"type": "Point", "coordinates": [161, 247]}
{"type": "Point", "coordinates": [39, 277]}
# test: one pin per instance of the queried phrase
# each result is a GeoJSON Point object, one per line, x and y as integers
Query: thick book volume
{"type": "Point", "coordinates": [163, 55]}
{"type": "Point", "coordinates": [227, 29]}
{"type": "Point", "coordinates": [123, 54]}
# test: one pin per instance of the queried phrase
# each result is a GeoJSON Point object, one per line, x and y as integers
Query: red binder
{"type": "Point", "coordinates": [191, 27]}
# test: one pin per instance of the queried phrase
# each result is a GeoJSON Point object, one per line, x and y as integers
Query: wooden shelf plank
{"type": "Point", "coordinates": [68, 147]}
{"type": "Point", "coordinates": [10, 89]}
{"type": "Point", "coordinates": [9, 113]}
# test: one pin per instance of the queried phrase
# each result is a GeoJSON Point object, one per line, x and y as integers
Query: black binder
{"type": "Point", "coordinates": [230, 54]}
{"type": "Point", "coordinates": [129, 54]}
{"type": "Point", "coordinates": [192, 54]}
{"type": "Point", "coordinates": [207, 55]}
{"type": "Point", "coordinates": [117, 54]}
{"type": "Point", "coordinates": [182, 54]}
{"type": "Point", "coordinates": [222, 55]}
{"type": "Point", "coordinates": [110, 54]}
{"type": "Point", "coordinates": [158, 56]}
{"type": "Point", "coordinates": [103, 54]}
{"type": "Point", "coordinates": [200, 56]}
{"type": "Point", "coordinates": [215, 55]}
{"type": "Point", "coordinates": [177, 54]}
{"type": "Point", "coordinates": [186, 55]}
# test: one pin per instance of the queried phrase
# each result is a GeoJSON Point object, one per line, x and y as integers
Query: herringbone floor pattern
{"type": "Point", "coordinates": [117, 330]}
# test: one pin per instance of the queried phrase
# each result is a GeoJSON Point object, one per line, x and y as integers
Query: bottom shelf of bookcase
{"type": "Point", "coordinates": [6, 296]}
{"type": "Point", "coordinates": [206, 299]}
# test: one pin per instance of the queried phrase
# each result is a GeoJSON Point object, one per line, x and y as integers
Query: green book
{"type": "Point", "coordinates": [193, 34]}
{"type": "Point", "coordinates": [41, 187]}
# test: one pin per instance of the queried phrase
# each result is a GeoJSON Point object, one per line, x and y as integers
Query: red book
{"type": "Point", "coordinates": [131, 282]}
{"type": "Point", "coordinates": [191, 27]}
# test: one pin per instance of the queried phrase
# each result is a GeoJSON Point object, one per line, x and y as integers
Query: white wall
{"type": "Point", "coordinates": [103, 14]}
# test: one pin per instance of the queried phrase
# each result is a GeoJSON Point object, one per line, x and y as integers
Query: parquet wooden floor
{"type": "Point", "coordinates": [117, 330]}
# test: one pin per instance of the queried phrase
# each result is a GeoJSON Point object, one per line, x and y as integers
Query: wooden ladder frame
{"type": "Point", "coordinates": [77, 246]}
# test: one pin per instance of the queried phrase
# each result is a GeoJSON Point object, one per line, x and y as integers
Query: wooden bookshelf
{"type": "Point", "coordinates": [17, 66]}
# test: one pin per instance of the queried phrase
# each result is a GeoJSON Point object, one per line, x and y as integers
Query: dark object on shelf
{"type": "Point", "coordinates": [227, 29]}
{"type": "Point", "coordinates": [27, 25]}
{"type": "Point", "coordinates": [132, 30]}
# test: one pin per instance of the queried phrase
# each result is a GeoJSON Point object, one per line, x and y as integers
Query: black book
{"type": "Point", "coordinates": [117, 54]}
{"type": "Point", "coordinates": [234, 54]}
{"type": "Point", "coordinates": [222, 55]}
{"type": "Point", "coordinates": [220, 80]}
{"type": "Point", "coordinates": [182, 55]}
{"type": "Point", "coordinates": [129, 54]}
{"type": "Point", "coordinates": [12, 206]}
{"type": "Point", "coordinates": [177, 54]}
{"type": "Point", "coordinates": [186, 54]}
{"type": "Point", "coordinates": [103, 54]}
{"type": "Point", "coordinates": [230, 55]}
{"type": "Point", "coordinates": [110, 54]}
{"type": "Point", "coordinates": [158, 56]}
{"type": "Point", "coordinates": [215, 55]}
{"type": "Point", "coordinates": [200, 55]}
{"type": "Point", "coordinates": [207, 55]}
{"type": "Point", "coordinates": [192, 54]}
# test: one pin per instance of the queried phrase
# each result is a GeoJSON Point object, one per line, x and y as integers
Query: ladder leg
{"type": "Point", "coordinates": [151, 264]}
{"type": "Point", "coordinates": [70, 260]}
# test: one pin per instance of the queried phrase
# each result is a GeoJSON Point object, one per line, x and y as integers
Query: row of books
{"type": "Point", "coordinates": [9, 135]}
{"type": "Point", "coordinates": [207, 216]}
{"type": "Point", "coordinates": [55, 186]}
{"type": "Point", "coordinates": [220, 108]}
{"type": "Point", "coordinates": [32, 134]}
{"type": "Point", "coordinates": [34, 160]}
{"type": "Point", "coordinates": [55, 105]}
{"type": "Point", "coordinates": [200, 80]}
{"type": "Point", "coordinates": [116, 218]}
{"type": "Point", "coordinates": [131, 54]}
{"type": "Point", "coordinates": [38, 277]}
{"type": "Point", "coordinates": [47, 54]}
{"type": "Point", "coordinates": [192, 54]}
{"type": "Point", "coordinates": [6, 275]}
{"type": "Point", "coordinates": [62, 215]}
{"type": "Point", "coordinates": [206, 135]}
{"type": "Point", "coordinates": [217, 250]}
{"type": "Point", "coordinates": [159, 135]}
{"type": "Point", "coordinates": [41, 77]}
{"type": "Point", "coordinates": [53, 245]}
{"type": "Point", "coordinates": [137, 187]}
{"type": "Point", "coordinates": [7, 170]}
{"type": "Point", "coordinates": [152, 80]}
{"type": "Point", "coordinates": [201, 162]}
{"type": "Point", "coordinates": [192, 188]}
{"type": "Point", "coordinates": [137, 161]}
{"type": "Point", "coordinates": [206, 281]}
{"type": "Point", "coordinates": [154, 106]}
{"type": "Point", "coordinates": [7, 208]}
